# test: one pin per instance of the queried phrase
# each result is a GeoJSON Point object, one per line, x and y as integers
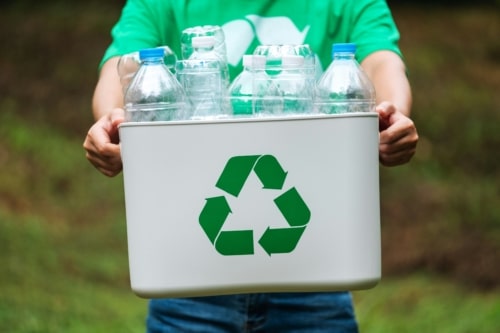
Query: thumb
{"type": "Point", "coordinates": [117, 116]}
{"type": "Point", "coordinates": [385, 111]}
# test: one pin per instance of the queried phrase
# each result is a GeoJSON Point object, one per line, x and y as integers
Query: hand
{"type": "Point", "coordinates": [398, 135]}
{"type": "Point", "coordinates": [102, 143]}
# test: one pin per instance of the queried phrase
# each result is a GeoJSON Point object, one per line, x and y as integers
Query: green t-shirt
{"type": "Point", "coordinates": [249, 23]}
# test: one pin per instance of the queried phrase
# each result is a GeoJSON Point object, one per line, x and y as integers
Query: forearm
{"type": "Point", "coordinates": [108, 93]}
{"type": "Point", "coordinates": [388, 74]}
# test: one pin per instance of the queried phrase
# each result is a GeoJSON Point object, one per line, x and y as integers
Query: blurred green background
{"type": "Point", "coordinates": [63, 252]}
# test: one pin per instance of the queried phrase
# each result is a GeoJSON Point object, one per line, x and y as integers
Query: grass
{"type": "Point", "coordinates": [426, 303]}
{"type": "Point", "coordinates": [58, 278]}
{"type": "Point", "coordinates": [63, 247]}
{"type": "Point", "coordinates": [63, 269]}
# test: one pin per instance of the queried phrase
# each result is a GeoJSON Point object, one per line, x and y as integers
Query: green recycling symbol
{"type": "Point", "coordinates": [241, 242]}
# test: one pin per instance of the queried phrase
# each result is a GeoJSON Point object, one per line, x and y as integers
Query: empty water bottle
{"type": "Point", "coordinates": [293, 83]}
{"type": "Point", "coordinates": [215, 31]}
{"type": "Point", "coordinates": [129, 64]}
{"type": "Point", "coordinates": [154, 93]}
{"type": "Point", "coordinates": [202, 77]}
{"type": "Point", "coordinates": [204, 48]}
{"type": "Point", "coordinates": [344, 87]}
{"type": "Point", "coordinates": [241, 91]}
{"type": "Point", "coordinates": [289, 86]}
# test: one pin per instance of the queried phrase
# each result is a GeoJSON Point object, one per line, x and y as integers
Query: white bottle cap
{"type": "Point", "coordinates": [203, 41]}
{"type": "Point", "coordinates": [259, 61]}
{"type": "Point", "coordinates": [254, 61]}
{"type": "Point", "coordinates": [289, 60]}
{"type": "Point", "coordinates": [247, 60]}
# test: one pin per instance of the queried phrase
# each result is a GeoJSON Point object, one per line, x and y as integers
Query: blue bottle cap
{"type": "Point", "coordinates": [157, 52]}
{"type": "Point", "coordinates": [343, 48]}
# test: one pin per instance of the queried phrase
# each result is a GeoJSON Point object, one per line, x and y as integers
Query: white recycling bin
{"type": "Point", "coordinates": [252, 205]}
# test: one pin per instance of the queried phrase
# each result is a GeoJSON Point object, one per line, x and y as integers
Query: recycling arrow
{"type": "Point", "coordinates": [213, 216]}
{"type": "Point", "coordinates": [235, 174]}
{"type": "Point", "coordinates": [281, 240]}
{"type": "Point", "coordinates": [232, 180]}
{"type": "Point", "coordinates": [212, 219]}
{"type": "Point", "coordinates": [270, 172]}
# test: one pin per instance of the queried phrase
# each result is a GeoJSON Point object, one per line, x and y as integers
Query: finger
{"type": "Point", "coordinates": [108, 167]}
{"type": "Point", "coordinates": [385, 111]}
{"type": "Point", "coordinates": [110, 172]}
{"type": "Point", "coordinates": [117, 116]}
{"type": "Point", "coordinates": [395, 159]}
{"type": "Point", "coordinates": [404, 144]}
{"type": "Point", "coordinates": [400, 128]}
{"type": "Point", "coordinates": [398, 152]}
{"type": "Point", "coordinates": [103, 159]}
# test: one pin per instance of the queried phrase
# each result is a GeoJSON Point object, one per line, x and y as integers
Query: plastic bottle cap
{"type": "Point", "coordinates": [258, 61]}
{"type": "Point", "coordinates": [254, 61]}
{"type": "Point", "coordinates": [151, 53]}
{"type": "Point", "coordinates": [203, 41]}
{"type": "Point", "coordinates": [344, 48]}
{"type": "Point", "coordinates": [292, 60]}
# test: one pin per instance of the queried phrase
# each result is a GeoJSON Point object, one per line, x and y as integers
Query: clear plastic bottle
{"type": "Point", "coordinates": [344, 86]}
{"type": "Point", "coordinates": [154, 93]}
{"type": "Point", "coordinates": [216, 31]}
{"type": "Point", "coordinates": [291, 71]}
{"type": "Point", "coordinates": [293, 84]}
{"type": "Point", "coordinates": [204, 49]}
{"type": "Point", "coordinates": [241, 91]}
{"type": "Point", "coordinates": [201, 77]}
{"type": "Point", "coordinates": [129, 64]}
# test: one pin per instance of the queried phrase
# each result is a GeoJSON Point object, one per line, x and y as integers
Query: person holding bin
{"type": "Point", "coordinates": [247, 24]}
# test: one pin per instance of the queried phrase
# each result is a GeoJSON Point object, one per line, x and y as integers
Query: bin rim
{"type": "Point", "coordinates": [231, 120]}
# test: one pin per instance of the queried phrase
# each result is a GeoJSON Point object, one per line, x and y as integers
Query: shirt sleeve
{"type": "Point", "coordinates": [373, 28]}
{"type": "Point", "coordinates": [139, 26]}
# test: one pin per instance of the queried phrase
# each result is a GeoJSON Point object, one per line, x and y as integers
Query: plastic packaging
{"type": "Point", "coordinates": [241, 91]}
{"type": "Point", "coordinates": [294, 85]}
{"type": "Point", "coordinates": [202, 77]}
{"type": "Point", "coordinates": [210, 36]}
{"type": "Point", "coordinates": [129, 64]}
{"type": "Point", "coordinates": [344, 87]}
{"type": "Point", "coordinates": [215, 31]}
{"type": "Point", "coordinates": [154, 93]}
{"type": "Point", "coordinates": [289, 86]}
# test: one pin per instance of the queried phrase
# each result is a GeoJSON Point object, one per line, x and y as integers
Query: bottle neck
{"type": "Point", "coordinates": [203, 49]}
{"type": "Point", "coordinates": [343, 56]}
{"type": "Point", "coordinates": [152, 61]}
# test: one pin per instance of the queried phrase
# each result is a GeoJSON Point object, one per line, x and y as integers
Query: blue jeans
{"type": "Point", "coordinates": [270, 312]}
